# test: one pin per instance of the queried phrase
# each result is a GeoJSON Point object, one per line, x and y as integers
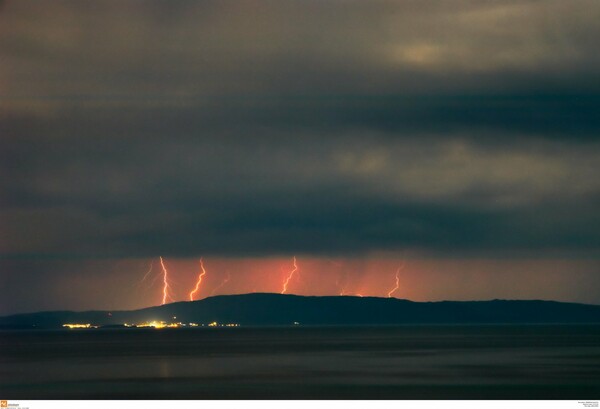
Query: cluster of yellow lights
{"type": "Point", "coordinates": [216, 324]}
{"type": "Point", "coordinates": [157, 325]}
{"type": "Point", "coordinates": [72, 326]}
{"type": "Point", "coordinates": [163, 324]}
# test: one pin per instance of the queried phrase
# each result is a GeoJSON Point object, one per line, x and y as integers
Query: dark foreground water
{"type": "Point", "coordinates": [427, 362]}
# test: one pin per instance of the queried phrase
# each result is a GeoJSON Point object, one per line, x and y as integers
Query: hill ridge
{"type": "Point", "coordinates": [285, 309]}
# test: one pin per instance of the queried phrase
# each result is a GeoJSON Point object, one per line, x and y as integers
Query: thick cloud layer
{"type": "Point", "coordinates": [229, 127]}
{"type": "Point", "coordinates": [462, 137]}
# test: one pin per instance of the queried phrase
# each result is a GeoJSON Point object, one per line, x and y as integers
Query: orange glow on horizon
{"type": "Point", "coordinates": [422, 279]}
{"type": "Point", "coordinates": [289, 277]}
{"type": "Point", "coordinates": [202, 274]}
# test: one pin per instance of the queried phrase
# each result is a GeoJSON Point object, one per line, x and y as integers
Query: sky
{"type": "Point", "coordinates": [452, 144]}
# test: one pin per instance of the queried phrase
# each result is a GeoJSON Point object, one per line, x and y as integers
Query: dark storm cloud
{"type": "Point", "coordinates": [130, 129]}
{"type": "Point", "coordinates": [233, 47]}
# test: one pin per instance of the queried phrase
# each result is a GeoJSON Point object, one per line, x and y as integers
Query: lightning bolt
{"type": "Point", "coordinates": [202, 274]}
{"type": "Point", "coordinates": [393, 290]}
{"type": "Point", "coordinates": [222, 283]}
{"type": "Point", "coordinates": [154, 280]}
{"type": "Point", "coordinates": [149, 271]}
{"type": "Point", "coordinates": [289, 277]}
{"type": "Point", "coordinates": [139, 284]}
{"type": "Point", "coordinates": [165, 282]}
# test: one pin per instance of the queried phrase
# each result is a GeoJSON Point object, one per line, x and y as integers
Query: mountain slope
{"type": "Point", "coordinates": [277, 309]}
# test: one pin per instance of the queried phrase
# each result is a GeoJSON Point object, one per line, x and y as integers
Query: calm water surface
{"type": "Point", "coordinates": [408, 362]}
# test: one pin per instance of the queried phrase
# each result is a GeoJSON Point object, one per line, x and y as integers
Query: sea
{"type": "Point", "coordinates": [399, 363]}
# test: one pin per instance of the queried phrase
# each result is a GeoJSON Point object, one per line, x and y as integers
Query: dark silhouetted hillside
{"type": "Point", "coordinates": [277, 309]}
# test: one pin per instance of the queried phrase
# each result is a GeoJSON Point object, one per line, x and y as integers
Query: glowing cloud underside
{"type": "Point", "coordinates": [289, 277]}
{"type": "Point", "coordinates": [200, 276]}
